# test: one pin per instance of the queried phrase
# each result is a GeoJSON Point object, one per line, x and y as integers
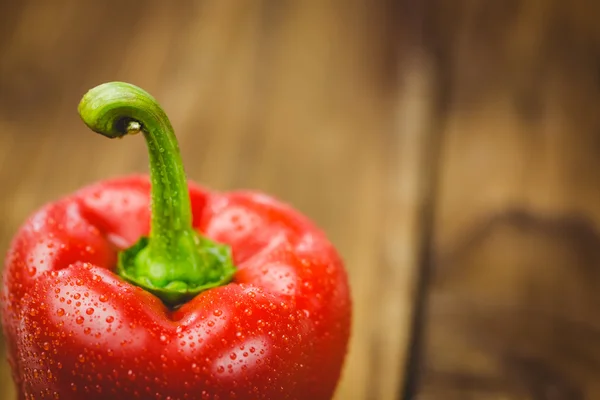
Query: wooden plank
{"type": "Point", "coordinates": [512, 304]}
{"type": "Point", "coordinates": [405, 229]}
{"type": "Point", "coordinates": [304, 100]}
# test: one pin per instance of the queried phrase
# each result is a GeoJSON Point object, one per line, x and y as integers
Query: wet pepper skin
{"type": "Point", "coordinates": [75, 330]}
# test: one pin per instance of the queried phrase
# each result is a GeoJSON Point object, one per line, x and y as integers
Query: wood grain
{"type": "Point", "coordinates": [304, 100]}
{"type": "Point", "coordinates": [511, 306]}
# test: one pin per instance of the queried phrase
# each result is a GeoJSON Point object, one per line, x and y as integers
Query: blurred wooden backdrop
{"type": "Point", "coordinates": [449, 148]}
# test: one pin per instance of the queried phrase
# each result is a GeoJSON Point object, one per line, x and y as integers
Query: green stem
{"type": "Point", "coordinates": [174, 262]}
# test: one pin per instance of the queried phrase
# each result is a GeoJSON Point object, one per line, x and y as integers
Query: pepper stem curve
{"type": "Point", "coordinates": [174, 262]}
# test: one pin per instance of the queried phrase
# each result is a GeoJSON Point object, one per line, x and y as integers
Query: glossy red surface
{"type": "Point", "coordinates": [76, 330]}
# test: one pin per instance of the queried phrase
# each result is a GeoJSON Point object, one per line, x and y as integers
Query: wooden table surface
{"type": "Point", "coordinates": [449, 148]}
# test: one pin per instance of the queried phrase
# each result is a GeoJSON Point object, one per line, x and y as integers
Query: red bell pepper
{"type": "Point", "coordinates": [139, 288]}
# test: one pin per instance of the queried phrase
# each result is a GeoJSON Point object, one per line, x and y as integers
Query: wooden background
{"type": "Point", "coordinates": [449, 148]}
